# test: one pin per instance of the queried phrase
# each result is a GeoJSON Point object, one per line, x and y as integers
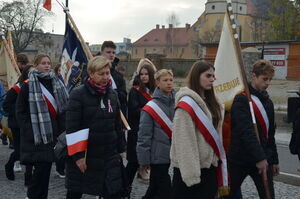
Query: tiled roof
{"type": "Point", "coordinates": [164, 36]}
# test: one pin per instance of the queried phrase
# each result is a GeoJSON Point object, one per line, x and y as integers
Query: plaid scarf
{"type": "Point", "coordinates": [98, 88]}
{"type": "Point", "coordinates": [39, 113]}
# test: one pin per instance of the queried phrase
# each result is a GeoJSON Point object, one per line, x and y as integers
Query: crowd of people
{"type": "Point", "coordinates": [183, 131]}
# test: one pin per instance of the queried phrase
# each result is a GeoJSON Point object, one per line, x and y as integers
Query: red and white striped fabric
{"type": "Point", "coordinates": [17, 88]}
{"type": "Point", "coordinates": [210, 134]}
{"type": "Point", "coordinates": [47, 4]}
{"type": "Point", "coordinates": [50, 101]}
{"type": "Point", "coordinates": [144, 94]}
{"type": "Point", "coordinates": [77, 141]}
{"type": "Point", "coordinates": [160, 117]}
{"type": "Point", "coordinates": [261, 115]}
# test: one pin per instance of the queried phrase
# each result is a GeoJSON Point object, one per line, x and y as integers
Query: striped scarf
{"type": "Point", "coordinates": [98, 88]}
{"type": "Point", "coordinates": [39, 113]}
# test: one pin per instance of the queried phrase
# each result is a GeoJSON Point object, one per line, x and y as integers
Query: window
{"type": "Point", "coordinates": [136, 51]}
{"type": "Point", "coordinates": [213, 7]}
{"type": "Point", "coordinates": [241, 8]}
{"type": "Point", "coordinates": [145, 51]}
{"type": "Point", "coordinates": [154, 49]}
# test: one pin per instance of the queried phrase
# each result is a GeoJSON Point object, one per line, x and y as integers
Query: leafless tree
{"type": "Point", "coordinates": [25, 16]}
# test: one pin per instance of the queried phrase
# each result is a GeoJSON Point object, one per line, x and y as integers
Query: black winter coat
{"type": "Point", "coordinates": [121, 89]}
{"type": "Point", "coordinates": [105, 142]}
{"type": "Point", "coordinates": [136, 102]}
{"type": "Point", "coordinates": [31, 153]}
{"type": "Point", "coordinates": [245, 149]}
{"type": "Point", "coordinates": [295, 139]}
{"type": "Point", "coordinates": [9, 106]}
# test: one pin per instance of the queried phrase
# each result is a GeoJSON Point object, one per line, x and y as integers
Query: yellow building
{"type": "Point", "coordinates": [209, 24]}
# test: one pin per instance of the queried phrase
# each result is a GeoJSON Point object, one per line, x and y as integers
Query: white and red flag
{"type": "Point", "coordinates": [77, 141]}
{"type": "Point", "coordinates": [47, 4]}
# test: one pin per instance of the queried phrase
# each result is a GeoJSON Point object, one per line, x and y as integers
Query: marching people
{"type": "Point", "coordinates": [249, 154]}
{"type": "Point", "coordinates": [197, 151]}
{"type": "Point", "coordinates": [39, 111]}
{"type": "Point", "coordinates": [9, 106]}
{"type": "Point", "coordinates": [139, 95]}
{"type": "Point", "coordinates": [154, 136]}
{"type": "Point", "coordinates": [94, 112]}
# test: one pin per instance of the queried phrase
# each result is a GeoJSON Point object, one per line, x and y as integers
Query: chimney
{"type": "Point", "coordinates": [163, 26]}
{"type": "Point", "coordinates": [170, 26]}
{"type": "Point", "coordinates": [187, 26]}
{"type": "Point", "coordinates": [157, 26]}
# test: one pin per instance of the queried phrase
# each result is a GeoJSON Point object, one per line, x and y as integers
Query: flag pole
{"type": "Point", "coordinates": [88, 54]}
{"type": "Point", "coordinates": [229, 13]}
{"type": "Point", "coordinates": [10, 54]}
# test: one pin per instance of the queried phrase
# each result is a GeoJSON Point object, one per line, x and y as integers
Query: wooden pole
{"type": "Point", "coordinates": [11, 55]}
{"type": "Point", "coordinates": [244, 77]}
{"type": "Point", "coordinates": [89, 54]}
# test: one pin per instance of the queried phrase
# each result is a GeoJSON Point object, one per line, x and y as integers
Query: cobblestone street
{"type": "Point", "coordinates": [16, 190]}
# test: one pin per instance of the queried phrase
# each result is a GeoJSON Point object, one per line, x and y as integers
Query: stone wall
{"type": "Point", "coordinates": [250, 56]}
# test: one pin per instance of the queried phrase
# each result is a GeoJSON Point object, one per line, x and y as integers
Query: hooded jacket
{"type": "Point", "coordinates": [189, 150]}
{"type": "Point", "coordinates": [153, 145]}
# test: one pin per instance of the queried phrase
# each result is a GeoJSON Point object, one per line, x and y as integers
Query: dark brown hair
{"type": "Point", "coordinates": [263, 67]}
{"type": "Point", "coordinates": [193, 81]}
{"type": "Point", "coordinates": [151, 83]}
{"type": "Point", "coordinates": [38, 59]}
{"type": "Point", "coordinates": [24, 74]}
{"type": "Point", "coordinates": [108, 44]}
{"type": "Point", "coordinates": [56, 68]}
{"type": "Point", "coordinates": [22, 58]}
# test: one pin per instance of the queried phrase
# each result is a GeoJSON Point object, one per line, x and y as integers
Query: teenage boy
{"type": "Point", "coordinates": [108, 50]}
{"type": "Point", "coordinates": [249, 154]}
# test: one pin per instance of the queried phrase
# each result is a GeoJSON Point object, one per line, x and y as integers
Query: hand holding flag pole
{"type": "Point", "coordinates": [229, 14]}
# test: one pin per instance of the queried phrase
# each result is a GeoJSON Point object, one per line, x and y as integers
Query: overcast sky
{"type": "Point", "coordinates": [100, 20]}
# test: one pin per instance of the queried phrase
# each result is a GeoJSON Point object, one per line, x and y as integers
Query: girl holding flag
{"type": "Point", "coordinates": [154, 136]}
{"type": "Point", "coordinates": [39, 110]}
{"type": "Point", "coordinates": [139, 95]}
{"type": "Point", "coordinates": [94, 136]}
{"type": "Point", "coordinates": [197, 152]}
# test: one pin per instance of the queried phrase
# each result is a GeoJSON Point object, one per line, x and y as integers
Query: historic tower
{"type": "Point", "coordinates": [209, 24]}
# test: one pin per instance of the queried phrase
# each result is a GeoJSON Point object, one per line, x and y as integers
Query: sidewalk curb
{"type": "Point", "coordinates": [287, 178]}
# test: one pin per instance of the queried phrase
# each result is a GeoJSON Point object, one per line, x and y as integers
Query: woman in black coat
{"type": "Point", "coordinates": [39, 111]}
{"type": "Point", "coordinates": [139, 95]}
{"type": "Point", "coordinates": [94, 108]}
{"type": "Point", "coordinates": [9, 106]}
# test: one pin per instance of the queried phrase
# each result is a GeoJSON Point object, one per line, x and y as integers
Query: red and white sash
{"type": "Point", "coordinates": [17, 88]}
{"type": "Point", "coordinates": [77, 141]}
{"type": "Point", "coordinates": [210, 134]}
{"type": "Point", "coordinates": [50, 101]}
{"type": "Point", "coordinates": [144, 94]}
{"type": "Point", "coordinates": [160, 117]}
{"type": "Point", "coordinates": [261, 115]}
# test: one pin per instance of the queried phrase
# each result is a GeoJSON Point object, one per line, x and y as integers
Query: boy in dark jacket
{"type": "Point", "coordinates": [249, 154]}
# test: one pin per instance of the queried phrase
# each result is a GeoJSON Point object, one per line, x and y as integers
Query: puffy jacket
{"type": "Point", "coordinates": [105, 142]}
{"type": "Point", "coordinates": [153, 145]}
{"type": "Point", "coordinates": [245, 149]}
{"type": "Point", "coordinates": [9, 106]}
{"type": "Point", "coordinates": [31, 153]}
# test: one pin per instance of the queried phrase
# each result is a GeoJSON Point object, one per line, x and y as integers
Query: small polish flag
{"type": "Point", "coordinates": [47, 4]}
{"type": "Point", "coordinates": [77, 141]}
